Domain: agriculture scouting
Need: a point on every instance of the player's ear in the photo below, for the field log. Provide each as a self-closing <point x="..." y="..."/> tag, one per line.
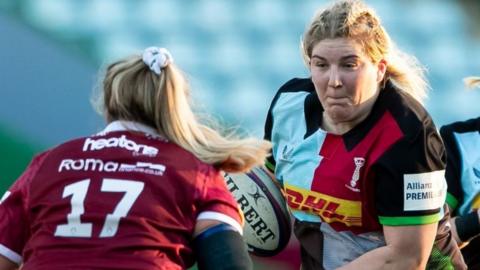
<point x="381" y="70"/>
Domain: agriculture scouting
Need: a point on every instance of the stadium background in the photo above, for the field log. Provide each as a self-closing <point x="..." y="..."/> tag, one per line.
<point x="236" y="55"/>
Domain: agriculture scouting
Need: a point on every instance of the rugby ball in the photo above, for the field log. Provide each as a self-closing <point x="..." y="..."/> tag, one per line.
<point x="267" y="220"/>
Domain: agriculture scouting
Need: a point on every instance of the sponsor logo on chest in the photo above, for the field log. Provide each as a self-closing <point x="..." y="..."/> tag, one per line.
<point x="359" y="162"/>
<point x="476" y="172"/>
<point x="329" y="208"/>
<point x="286" y="153"/>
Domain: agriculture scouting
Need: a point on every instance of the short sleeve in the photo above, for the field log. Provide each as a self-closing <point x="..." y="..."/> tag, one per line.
<point x="410" y="187"/>
<point x="14" y="226"/>
<point x="216" y="202"/>
<point x="270" y="162"/>
<point x="293" y="86"/>
<point x="453" y="170"/>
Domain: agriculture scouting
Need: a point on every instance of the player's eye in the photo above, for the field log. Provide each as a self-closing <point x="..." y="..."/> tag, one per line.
<point x="320" y="64"/>
<point x="350" y="64"/>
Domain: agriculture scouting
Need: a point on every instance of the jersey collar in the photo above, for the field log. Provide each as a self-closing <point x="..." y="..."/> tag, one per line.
<point x="121" y="125"/>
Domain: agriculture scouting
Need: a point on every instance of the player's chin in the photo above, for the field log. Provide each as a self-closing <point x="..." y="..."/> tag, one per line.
<point x="339" y="114"/>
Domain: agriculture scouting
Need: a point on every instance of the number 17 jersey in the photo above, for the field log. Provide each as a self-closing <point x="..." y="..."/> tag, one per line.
<point x="122" y="199"/>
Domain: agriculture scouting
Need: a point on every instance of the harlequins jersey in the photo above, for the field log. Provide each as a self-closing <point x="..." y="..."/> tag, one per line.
<point x="123" y="199"/>
<point x="388" y="170"/>
<point x="462" y="141"/>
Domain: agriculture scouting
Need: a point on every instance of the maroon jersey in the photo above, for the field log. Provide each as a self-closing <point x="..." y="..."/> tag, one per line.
<point x="118" y="200"/>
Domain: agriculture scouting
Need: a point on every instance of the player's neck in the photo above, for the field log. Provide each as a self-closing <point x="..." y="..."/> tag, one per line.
<point x="337" y="128"/>
<point x="340" y="127"/>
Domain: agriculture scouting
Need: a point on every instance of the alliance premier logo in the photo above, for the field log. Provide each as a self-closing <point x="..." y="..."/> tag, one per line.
<point x="424" y="191"/>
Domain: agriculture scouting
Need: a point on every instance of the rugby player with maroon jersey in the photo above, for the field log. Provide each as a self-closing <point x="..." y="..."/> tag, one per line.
<point x="145" y="193"/>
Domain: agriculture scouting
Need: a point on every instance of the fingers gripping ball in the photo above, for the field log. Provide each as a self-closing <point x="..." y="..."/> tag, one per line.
<point x="267" y="220"/>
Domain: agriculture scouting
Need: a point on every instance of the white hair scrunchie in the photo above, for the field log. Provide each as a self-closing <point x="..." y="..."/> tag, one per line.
<point x="157" y="58"/>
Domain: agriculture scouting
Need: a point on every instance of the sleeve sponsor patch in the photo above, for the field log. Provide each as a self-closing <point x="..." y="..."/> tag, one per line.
<point x="424" y="191"/>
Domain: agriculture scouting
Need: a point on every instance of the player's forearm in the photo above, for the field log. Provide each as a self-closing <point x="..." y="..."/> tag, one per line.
<point x="387" y="257"/>
<point x="6" y="264"/>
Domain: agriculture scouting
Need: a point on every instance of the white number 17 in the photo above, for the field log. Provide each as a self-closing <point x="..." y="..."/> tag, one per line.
<point x="78" y="191"/>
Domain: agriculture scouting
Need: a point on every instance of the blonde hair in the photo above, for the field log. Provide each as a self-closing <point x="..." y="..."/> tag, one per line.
<point x="354" y="20"/>
<point x="132" y="92"/>
<point x="472" y="82"/>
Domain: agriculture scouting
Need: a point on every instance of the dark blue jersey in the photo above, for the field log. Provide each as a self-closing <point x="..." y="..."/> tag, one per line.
<point x="462" y="141"/>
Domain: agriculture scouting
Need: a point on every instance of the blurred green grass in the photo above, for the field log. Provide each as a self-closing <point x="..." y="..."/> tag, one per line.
<point x="15" y="154"/>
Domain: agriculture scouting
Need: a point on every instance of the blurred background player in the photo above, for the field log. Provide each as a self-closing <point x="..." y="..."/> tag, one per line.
<point x="360" y="160"/>
<point x="462" y="142"/>
<point x="145" y="193"/>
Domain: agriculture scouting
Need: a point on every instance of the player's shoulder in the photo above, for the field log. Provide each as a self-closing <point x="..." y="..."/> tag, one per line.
<point x="406" y="119"/>
<point x="293" y="94"/>
<point x="39" y="159"/>
<point x="297" y="85"/>
<point x="36" y="163"/>
<point x="470" y="125"/>
<point x="129" y="144"/>
<point x="409" y="114"/>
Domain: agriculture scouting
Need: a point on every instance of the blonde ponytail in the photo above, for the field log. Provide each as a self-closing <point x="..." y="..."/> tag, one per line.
<point x="472" y="82"/>
<point x="132" y="92"/>
<point x="406" y="73"/>
<point x="181" y="125"/>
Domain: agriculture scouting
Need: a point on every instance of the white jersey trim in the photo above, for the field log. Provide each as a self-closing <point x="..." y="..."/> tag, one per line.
<point x="221" y="217"/>
<point x="121" y="125"/>
<point x="5" y="196"/>
<point x="10" y="254"/>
